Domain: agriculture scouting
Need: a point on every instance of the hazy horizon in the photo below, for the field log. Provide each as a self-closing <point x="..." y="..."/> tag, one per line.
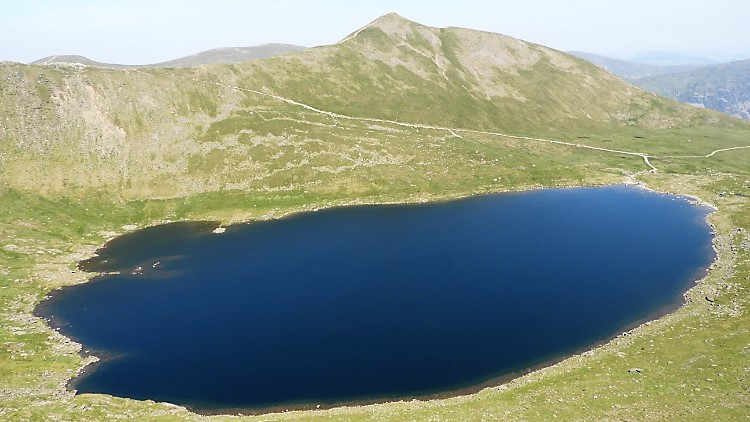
<point x="145" y="32"/>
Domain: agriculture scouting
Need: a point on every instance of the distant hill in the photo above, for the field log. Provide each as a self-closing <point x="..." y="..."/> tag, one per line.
<point x="724" y="87"/>
<point x="632" y="70"/>
<point x="231" y="55"/>
<point x="75" y="59"/>
<point x="227" y="55"/>
<point x="668" y="58"/>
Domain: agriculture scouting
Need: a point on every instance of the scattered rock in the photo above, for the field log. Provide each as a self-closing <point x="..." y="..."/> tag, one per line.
<point x="635" y="370"/>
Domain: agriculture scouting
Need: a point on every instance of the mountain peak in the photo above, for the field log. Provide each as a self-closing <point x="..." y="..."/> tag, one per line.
<point x="390" y="18"/>
<point x="391" y="23"/>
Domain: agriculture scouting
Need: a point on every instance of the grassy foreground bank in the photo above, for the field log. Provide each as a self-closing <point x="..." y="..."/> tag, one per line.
<point x="691" y="364"/>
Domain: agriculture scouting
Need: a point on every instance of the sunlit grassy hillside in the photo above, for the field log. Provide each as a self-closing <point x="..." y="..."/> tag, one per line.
<point x="396" y="112"/>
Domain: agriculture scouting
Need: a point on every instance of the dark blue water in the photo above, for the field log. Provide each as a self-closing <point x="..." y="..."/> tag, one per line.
<point x="377" y="302"/>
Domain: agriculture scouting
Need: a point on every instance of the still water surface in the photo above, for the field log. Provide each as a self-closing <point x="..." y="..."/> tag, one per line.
<point x="376" y="302"/>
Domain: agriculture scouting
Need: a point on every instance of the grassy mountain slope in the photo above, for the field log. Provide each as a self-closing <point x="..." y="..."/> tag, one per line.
<point x="724" y="87"/>
<point x="627" y="69"/>
<point x="226" y="55"/>
<point x="469" y="77"/>
<point x="172" y="132"/>
<point x="395" y="112"/>
<point x="231" y="55"/>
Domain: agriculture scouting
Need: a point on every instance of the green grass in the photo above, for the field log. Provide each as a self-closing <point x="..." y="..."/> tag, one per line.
<point x="195" y="150"/>
<point x="33" y="369"/>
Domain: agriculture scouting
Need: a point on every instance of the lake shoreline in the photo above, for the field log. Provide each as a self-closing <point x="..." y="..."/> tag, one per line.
<point x="502" y="382"/>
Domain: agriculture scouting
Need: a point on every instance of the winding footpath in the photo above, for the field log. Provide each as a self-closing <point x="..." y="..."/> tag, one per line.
<point x="709" y="155"/>
<point x="455" y="131"/>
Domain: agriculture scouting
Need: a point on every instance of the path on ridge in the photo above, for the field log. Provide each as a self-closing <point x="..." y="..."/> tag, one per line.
<point x="454" y="131"/>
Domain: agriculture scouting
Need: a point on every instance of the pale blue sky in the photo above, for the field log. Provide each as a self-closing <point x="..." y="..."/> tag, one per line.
<point x="149" y="31"/>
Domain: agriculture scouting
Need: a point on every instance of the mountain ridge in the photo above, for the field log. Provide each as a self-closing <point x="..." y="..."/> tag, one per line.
<point x="222" y="55"/>
<point x="723" y="87"/>
<point x="630" y="70"/>
<point x="396" y="112"/>
<point x="484" y="64"/>
<point x="391" y="69"/>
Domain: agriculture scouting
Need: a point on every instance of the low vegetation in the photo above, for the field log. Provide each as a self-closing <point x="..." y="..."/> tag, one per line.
<point x="215" y="56"/>
<point x="396" y="113"/>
